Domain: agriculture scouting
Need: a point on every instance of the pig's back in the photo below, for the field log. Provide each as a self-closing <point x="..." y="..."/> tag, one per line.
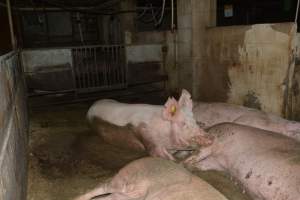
<point x="168" y="180"/>
<point x="122" y="114"/>
<point x="259" y="157"/>
<point x="192" y="189"/>
<point x="214" y="113"/>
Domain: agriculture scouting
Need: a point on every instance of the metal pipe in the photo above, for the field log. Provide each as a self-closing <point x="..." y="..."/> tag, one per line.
<point x="162" y="13"/>
<point x="104" y="96"/>
<point x="11" y="26"/>
<point x="96" y="66"/>
<point x="105" y="69"/>
<point x="172" y="15"/>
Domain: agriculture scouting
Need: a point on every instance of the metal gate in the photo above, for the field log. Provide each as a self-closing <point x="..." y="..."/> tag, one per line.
<point x="97" y="68"/>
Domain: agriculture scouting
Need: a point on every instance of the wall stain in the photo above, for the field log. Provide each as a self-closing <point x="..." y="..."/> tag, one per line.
<point x="251" y="100"/>
<point x="246" y="65"/>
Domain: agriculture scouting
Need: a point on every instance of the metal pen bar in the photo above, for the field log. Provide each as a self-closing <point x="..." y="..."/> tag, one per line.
<point x="118" y="65"/>
<point x="96" y="65"/>
<point x="113" y="65"/>
<point x="86" y="77"/>
<point x="90" y="73"/>
<point x="108" y="54"/>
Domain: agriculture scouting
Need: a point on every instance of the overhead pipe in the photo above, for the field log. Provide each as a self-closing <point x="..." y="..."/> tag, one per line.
<point x="172" y="16"/>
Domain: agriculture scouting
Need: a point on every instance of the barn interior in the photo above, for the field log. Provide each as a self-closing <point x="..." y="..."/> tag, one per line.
<point x="59" y="56"/>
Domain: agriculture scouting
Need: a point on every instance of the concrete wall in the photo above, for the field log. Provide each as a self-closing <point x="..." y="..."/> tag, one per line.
<point x="33" y="59"/>
<point x="144" y="53"/>
<point x="184" y="44"/>
<point x="296" y="83"/>
<point x="168" y="47"/>
<point x="249" y="65"/>
<point x="13" y="130"/>
<point x="193" y="19"/>
<point x="165" y="39"/>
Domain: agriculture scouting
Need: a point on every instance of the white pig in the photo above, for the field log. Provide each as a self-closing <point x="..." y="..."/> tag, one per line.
<point x="209" y="114"/>
<point x="157" y="128"/>
<point x="154" y="179"/>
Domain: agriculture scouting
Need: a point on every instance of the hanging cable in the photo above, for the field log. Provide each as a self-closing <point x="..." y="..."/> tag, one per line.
<point x="148" y="21"/>
<point x="143" y="13"/>
<point x="297" y="11"/>
<point x="153" y="15"/>
<point x="80" y="28"/>
<point x="162" y="13"/>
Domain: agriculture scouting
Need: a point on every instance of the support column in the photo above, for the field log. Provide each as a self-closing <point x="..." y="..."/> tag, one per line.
<point x="203" y="16"/>
<point x="184" y="44"/>
<point x="194" y="17"/>
<point x="127" y="20"/>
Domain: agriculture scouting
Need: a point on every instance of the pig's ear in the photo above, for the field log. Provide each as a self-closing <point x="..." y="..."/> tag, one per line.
<point x="170" y="109"/>
<point x="185" y="99"/>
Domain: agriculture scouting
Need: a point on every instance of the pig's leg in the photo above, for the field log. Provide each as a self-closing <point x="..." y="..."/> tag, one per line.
<point x="201" y="138"/>
<point x="152" y="146"/>
<point x="203" y="154"/>
<point x="160" y="152"/>
<point x="209" y="163"/>
<point x="176" y="136"/>
<point x="203" y="161"/>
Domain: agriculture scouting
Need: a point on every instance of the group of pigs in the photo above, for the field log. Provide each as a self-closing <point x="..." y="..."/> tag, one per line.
<point x="259" y="150"/>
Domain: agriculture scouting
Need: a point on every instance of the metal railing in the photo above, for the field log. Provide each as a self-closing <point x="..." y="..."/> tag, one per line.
<point x="99" y="68"/>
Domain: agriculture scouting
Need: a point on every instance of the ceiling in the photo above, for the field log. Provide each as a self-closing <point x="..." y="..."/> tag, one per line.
<point x="80" y="3"/>
<point x="64" y="3"/>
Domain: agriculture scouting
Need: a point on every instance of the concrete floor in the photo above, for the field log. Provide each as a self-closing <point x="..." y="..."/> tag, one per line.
<point x="66" y="158"/>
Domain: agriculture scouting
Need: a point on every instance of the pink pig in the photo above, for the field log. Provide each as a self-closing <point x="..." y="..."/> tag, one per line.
<point x="154" y="179"/>
<point x="209" y="114"/>
<point x="158" y="129"/>
<point x="265" y="163"/>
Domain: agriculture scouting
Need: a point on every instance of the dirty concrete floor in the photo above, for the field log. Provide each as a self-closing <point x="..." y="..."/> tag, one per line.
<point x="67" y="159"/>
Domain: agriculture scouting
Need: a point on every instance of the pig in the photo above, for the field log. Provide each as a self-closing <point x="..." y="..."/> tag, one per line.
<point x="265" y="163"/>
<point x="156" y="129"/>
<point x="154" y="179"/>
<point x="209" y="114"/>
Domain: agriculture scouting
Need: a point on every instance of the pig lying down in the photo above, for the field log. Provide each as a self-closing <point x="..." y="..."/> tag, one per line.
<point x="158" y="129"/>
<point x="154" y="179"/>
<point x="209" y="114"/>
<point x="267" y="164"/>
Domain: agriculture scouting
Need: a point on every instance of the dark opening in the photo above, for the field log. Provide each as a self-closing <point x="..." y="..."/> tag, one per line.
<point x="5" y="41"/>
<point x="244" y="12"/>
